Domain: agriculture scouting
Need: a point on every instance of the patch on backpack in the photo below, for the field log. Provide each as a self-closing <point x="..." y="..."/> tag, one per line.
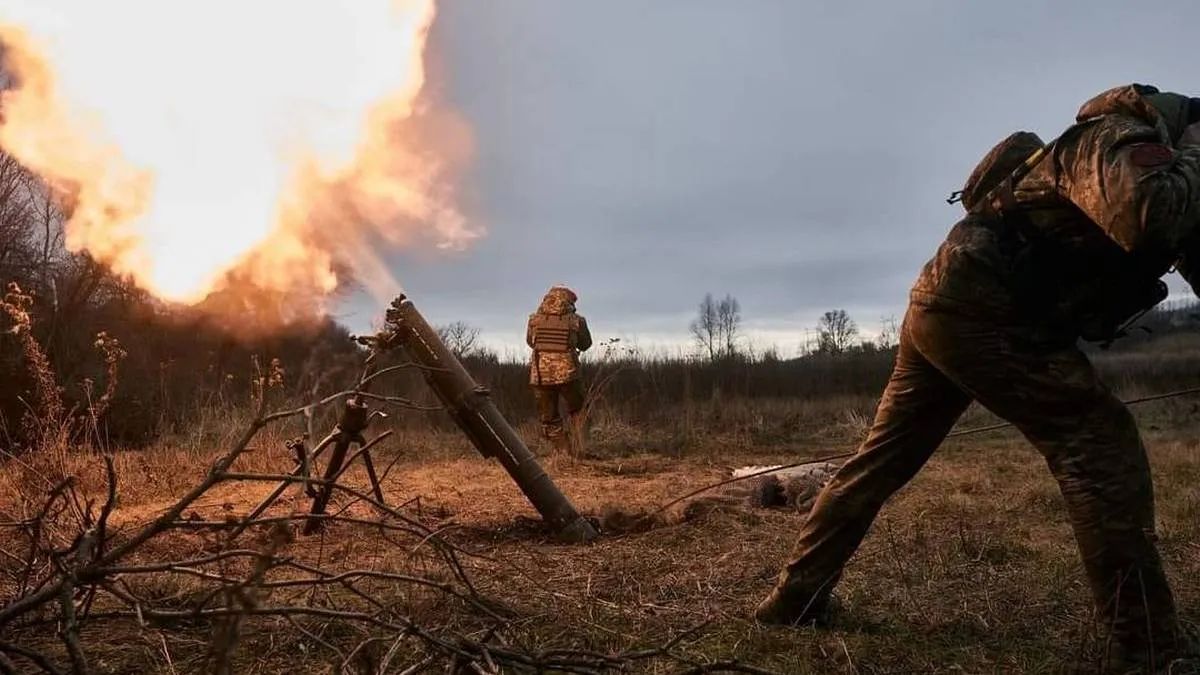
<point x="1150" y="154"/>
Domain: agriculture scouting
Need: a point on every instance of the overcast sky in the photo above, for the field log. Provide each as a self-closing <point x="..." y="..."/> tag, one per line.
<point x="793" y="154"/>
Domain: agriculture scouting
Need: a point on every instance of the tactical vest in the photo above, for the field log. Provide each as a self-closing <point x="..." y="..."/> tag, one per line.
<point x="552" y="333"/>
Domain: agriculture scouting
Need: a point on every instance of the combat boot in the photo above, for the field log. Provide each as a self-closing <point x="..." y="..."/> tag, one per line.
<point x="557" y="438"/>
<point x="790" y="607"/>
<point x="550" y="439"/>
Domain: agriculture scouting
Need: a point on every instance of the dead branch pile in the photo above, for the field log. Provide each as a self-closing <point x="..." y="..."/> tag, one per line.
<point x="388" y="594"/>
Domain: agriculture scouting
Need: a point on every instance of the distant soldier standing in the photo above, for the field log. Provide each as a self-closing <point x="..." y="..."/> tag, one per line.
<point x="1059" y="242"/>
<point x="557" y="334"/>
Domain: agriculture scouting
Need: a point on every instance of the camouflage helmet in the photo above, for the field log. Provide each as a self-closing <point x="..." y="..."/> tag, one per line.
<point x="558" y="300"/>
<point x="563" y="289"/>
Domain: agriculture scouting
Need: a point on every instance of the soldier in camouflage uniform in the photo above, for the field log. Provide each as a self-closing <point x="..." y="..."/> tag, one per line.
<point x="1066" y="250"/>
<point x="557" y="334"/>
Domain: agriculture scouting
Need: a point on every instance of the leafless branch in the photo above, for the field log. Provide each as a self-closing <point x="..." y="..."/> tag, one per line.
<point x="80" y="574"/>
<point x="34" y="657"/>
<point x="70" y="630"/>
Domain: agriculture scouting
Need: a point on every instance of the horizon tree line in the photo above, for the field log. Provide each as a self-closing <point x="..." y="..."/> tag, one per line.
<point x="717" y="334"/>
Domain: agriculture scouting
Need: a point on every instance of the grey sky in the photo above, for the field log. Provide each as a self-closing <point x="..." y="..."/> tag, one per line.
<point x="793" y="154"/>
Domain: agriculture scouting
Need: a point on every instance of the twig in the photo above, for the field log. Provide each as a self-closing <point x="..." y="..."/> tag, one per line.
<point x="166" y="652"/>
<point x="166" y="566"/>
<point x="407" y="365"/>
<point x="394" y="400"/>
<point x="70" y="630"/>
<point x="302" y="470"/>
<point x="34" y="657"/>
<point x="849" y="659"/>
<point x="273" y="520"/>
<point x="110" y="500"/>
<point x="414" y="668"/>
<point x="154" y="528"/>
<point x="317" y="639"/>
<point x="726" y="667"/>
<point x="362" y="496"/>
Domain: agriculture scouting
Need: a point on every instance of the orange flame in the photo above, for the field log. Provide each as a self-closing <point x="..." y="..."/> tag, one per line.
<point x="275" y="141"/>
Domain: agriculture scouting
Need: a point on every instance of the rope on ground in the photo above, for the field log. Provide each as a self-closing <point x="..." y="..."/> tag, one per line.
<point x="1132" y="401"/>
<point x="844" y="455"/>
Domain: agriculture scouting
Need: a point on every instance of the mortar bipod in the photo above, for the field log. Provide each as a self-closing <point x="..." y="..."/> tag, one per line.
<point x="356" y="417"/>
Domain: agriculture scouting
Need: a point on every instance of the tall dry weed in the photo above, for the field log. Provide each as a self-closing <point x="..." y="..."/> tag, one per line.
<point x="45" y="412"/>
<point x="47" y="424"/>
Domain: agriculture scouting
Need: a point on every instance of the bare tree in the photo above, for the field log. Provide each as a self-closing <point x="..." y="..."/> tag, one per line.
<point x="461" y="337"/>
<point x="18" y="215"/>
<point x="717" y="327"/>
<point x="889" y="333"/>
<point x="729" y="324"/>
<point x="704" y="328"/>
<point x="836" y="332"/>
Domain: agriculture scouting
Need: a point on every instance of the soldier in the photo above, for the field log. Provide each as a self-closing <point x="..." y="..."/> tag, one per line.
<point x="1059" y="242"/>
<point x="557" y="334"/>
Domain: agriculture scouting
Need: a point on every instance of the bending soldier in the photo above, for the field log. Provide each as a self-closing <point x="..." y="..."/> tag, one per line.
<point x="557" y="334"/>
<point x="1059" y="242"/>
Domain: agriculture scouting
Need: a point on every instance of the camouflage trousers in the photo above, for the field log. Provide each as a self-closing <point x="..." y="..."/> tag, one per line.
<point x="549" y="410"/>
<point x="1052" y="395"/>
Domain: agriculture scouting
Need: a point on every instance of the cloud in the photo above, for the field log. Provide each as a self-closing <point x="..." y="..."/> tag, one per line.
<point x="794" y="156"/>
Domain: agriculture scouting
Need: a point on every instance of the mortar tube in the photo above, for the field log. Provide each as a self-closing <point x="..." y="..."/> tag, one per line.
<point x="473" y="410"/>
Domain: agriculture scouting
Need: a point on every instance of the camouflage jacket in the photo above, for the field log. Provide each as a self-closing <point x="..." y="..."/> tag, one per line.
<point x="1113" y="193"/>
<point x="557" y="367"/>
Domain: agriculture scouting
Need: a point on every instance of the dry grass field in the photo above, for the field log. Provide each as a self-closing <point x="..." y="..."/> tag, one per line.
<point x="970" y="569"/>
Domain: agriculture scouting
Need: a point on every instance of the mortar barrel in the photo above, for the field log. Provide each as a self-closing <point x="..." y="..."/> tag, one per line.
<point x="474" y="411"/>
